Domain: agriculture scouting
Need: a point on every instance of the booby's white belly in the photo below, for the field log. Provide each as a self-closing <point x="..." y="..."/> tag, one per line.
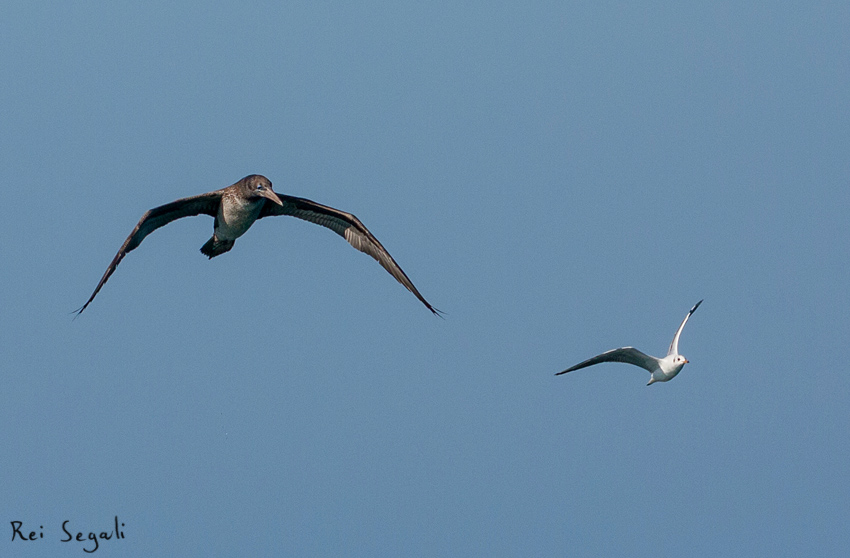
<point x="236" y="217"/>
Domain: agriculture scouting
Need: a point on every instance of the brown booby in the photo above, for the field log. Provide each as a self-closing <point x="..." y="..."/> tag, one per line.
<point x="235" y="209"/>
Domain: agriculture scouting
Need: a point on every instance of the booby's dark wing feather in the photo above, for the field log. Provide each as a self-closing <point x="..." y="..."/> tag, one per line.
<point x="347" y="226"/>
<point x="155" y="218"/>
<point x="629" y="355"/>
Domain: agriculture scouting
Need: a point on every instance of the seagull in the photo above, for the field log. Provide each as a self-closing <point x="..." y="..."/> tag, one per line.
<point x="235" y="209"/>
<point x="660" y="369"/>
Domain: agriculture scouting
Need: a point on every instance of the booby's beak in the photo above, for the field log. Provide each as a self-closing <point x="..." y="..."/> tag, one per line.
<point x="267" y="193"/>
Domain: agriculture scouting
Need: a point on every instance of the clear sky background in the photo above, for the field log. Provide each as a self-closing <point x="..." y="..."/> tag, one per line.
<point x="561" y="178"/>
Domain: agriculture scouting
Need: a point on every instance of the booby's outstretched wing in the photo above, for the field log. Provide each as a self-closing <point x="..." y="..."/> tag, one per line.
<point x="674" y="345"/>
<point x="155" y="218"/>
<point x="629" y="355"/>
<point x="347" y="226"/>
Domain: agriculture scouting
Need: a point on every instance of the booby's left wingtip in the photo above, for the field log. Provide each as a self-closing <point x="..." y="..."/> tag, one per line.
<point x="437" y="312"/>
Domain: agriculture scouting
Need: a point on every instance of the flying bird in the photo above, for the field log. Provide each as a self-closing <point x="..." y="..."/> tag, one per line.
<point x="235" y="209"/>
<point x="660" y="369"/>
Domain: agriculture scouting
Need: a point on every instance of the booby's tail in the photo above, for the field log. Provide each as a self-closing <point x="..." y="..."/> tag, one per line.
<point x="215" y="247"/>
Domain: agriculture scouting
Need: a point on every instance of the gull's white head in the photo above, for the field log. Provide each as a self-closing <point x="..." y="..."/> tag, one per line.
<point x="678" y="362"/>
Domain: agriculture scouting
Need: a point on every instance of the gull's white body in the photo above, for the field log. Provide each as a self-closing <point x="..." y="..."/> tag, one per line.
<point x="660" y="369"/>
<point x="666" y="368"/>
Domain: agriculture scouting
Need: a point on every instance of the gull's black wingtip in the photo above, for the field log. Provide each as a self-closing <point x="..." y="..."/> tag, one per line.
<point x="696" y="306"/>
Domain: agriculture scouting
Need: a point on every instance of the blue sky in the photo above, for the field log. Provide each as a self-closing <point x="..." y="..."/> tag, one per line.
<point x="559" y="178"/>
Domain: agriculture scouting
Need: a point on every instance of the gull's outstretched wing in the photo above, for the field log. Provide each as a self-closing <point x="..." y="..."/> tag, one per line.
<point x="629" y="355"/>
<point x="155" y="218"/>
<point x="347" y="226"/>
<point x="674" y="345"/>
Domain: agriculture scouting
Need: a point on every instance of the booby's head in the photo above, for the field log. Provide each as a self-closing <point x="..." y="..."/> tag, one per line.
<point x="258" y="186"/>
